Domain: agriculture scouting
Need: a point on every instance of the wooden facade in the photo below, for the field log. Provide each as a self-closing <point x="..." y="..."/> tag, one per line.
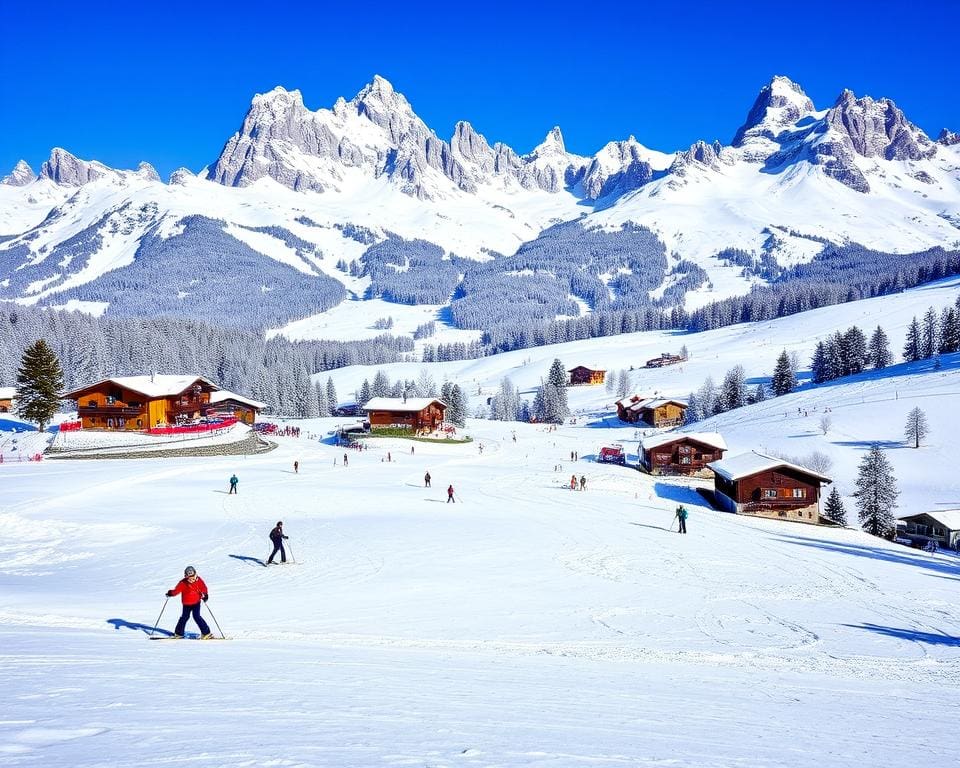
<point x="583" y="375"/>
<point x="244" y="410"/>
<point x="126" y="403"/>
<point x="681" y="455"/>
<point x="419" y="415"/>
<point x="654" y="411"/>
<point x="941" y="526"/>
<point x="768" y="487"/>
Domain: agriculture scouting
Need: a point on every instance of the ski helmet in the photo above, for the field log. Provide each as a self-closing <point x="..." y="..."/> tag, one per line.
<point x="279" y="523"/>
<point x="189" y="571"/>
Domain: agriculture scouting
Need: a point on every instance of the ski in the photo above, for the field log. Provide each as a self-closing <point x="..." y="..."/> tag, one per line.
<point x="168" y="637"/>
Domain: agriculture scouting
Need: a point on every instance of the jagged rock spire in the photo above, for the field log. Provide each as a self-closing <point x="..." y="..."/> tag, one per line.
<point x="21" y="175"/>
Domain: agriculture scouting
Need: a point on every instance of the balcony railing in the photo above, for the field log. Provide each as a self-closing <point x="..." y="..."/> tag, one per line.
<point x="123" y="411"/>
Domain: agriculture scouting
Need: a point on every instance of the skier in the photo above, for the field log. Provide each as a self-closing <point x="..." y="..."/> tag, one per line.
<point x="344" y="459"/>
<point x="277" y="536"/>
<point x="450" y="495"/>
<point x="233" y="484"/>
<point x="682" y="518"/>
<point x="192" y="590"/>
<point x="426" y="480"/>
<point x="296" y="467"/>
<point x="573" y="482"/>
<point x="583" y="482"/>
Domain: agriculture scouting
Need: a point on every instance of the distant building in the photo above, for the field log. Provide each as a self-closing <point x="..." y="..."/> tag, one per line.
<point x="941" y="526"/>
<point x="243" y="409"/>
<point x="142" y="402"/>
<point x="583" y="375"/>
<point x="418" y="414"/>
<point x="681" y="454"/>
<point x="7" y="396"/>
<point x="756" y="484"/>
<point x="654" y="411"/>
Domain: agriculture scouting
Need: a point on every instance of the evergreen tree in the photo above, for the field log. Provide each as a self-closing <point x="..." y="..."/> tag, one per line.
<point x="323" y="407"/>
<point x="623" y="383"/>
<point x="381" y="385"/>
<point x="876" y="494"/>
<point x="818" y="365"/>
<point x="784" y="378"/>
<point x="363" y="396"/>
<point x="707" y="398"/>
<point x="426" y="386"/>
<point x="917" y="428"/>
<point x="853" y="348"/>
<point x="949" y="330"/>
<point x="912" y="348"/>
<point x="457" y="413"/>
<point x="930" y="336"/>
<point x="610" y="382"/>
<point x="834" y="509"/>
<point x="878" y="350"/>
<point x="733" y="390"/>
<point x="331" y="395"/>
<point x="39" y="384"/>
<point x="760" y="393"/>
<point x="557" y="378"/>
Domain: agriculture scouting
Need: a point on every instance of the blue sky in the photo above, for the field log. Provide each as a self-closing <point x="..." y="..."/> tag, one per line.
<point x="170" y="82"/>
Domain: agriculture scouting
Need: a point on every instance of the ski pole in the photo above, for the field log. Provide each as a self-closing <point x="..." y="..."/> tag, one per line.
<point x="159" y="617"/>
<point x="293" y="557"/>
<point x="671" y="523"/>
<point x="223" y="636"/>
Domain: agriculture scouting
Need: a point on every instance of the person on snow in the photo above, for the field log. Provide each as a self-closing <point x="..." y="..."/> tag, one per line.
<point x="344" y="459"/>
<point x="583" y="482"/>
<point x="450" y="494"/>
<point x="682" y="518"/>
<point x="573" y="482"/>
<point x="426" y="480"/>
<point x="296" y="467"/>
<point x="277" y="536"/>
<point x="192" y="591"/>
<point x="233" y="484"/>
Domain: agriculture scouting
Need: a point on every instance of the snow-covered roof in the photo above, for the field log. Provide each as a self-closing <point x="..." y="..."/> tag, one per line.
<point x="224" y="394"/>
<point x="948" y="518"/>
<point x="714" y="439"/>
<point x="412" y="404"/>
<point x="650" y="403"/>
<point x="625" y="402"/>
<point x="156" y="385"/>
<point x="746" y="464"/>
<point x="8" y="393"/>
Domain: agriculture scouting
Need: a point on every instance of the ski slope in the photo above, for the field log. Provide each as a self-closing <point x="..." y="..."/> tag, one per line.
<point x="524" y="625"/>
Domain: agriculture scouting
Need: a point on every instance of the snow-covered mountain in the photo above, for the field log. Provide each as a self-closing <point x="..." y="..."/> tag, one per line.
<point x="296" y="194"/>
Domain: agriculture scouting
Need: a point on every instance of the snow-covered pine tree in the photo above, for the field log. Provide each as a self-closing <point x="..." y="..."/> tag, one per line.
<point x="834" y="509"/>
<point x="363" y="394"/>
<point x="930" y="334"/>
<point x="949" y="330"/>
<point x="878" y="350"/>
<point x="623" y="383"/>
<point x="818" y="365"/>
<point x="426" y="385"/>
<point x="917" y="427"/>
<point x="557" y="378"/>
<point x="913" y="347"/>
<point x="610" y="383"/>
<point x="760" y="393"/>
<point x="784" y="378"/>
<point x="707" y="398"/>
<point x="458" y="405"/>
<point x="381" y="385"/>
<point x="39" y="384"/>
<point x="853" y="351"/>
<point x="331" y="394"/>
<point x="733" y="390"/>
<point x="323" y="407"/>
<point x="876" y="494"/>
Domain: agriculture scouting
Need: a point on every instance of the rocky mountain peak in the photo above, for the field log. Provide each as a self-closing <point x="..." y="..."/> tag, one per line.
<point x="65" y="169"/>
<point x="946" y="138"/>
<point x="877" y="128"/>
<point x="147" y="171"/>
<point x="780" y="103"/>
<point x="551" y="145"/>
<point x="21" y="175"/>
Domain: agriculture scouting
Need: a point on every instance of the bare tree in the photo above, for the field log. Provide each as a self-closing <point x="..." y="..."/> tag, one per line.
<point x="917" y="427"/>
<point x="825" y="423"/>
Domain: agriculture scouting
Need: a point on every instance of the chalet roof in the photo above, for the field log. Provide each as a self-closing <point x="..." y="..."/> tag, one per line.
<point x="746" y="464"/>
<point x="223" y="394"/>
<point x="585" y="368"/>
<point x="411" y="405"/>
<point x="713" y="439"/>
<point x="157" y="385"/>
<point x="626" y="402"/>
<point x="948" y="518"/>
<point x="650" y="403"/>
<point x="8" y="393"/>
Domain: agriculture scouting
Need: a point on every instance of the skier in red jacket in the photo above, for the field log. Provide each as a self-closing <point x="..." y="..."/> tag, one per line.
<point x="192" y="591"/>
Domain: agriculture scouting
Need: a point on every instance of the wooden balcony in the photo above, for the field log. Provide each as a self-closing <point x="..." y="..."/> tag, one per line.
<point x="112" y="411"/>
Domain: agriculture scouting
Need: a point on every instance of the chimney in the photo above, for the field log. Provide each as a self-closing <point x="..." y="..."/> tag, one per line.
<point x="152" y="377"/>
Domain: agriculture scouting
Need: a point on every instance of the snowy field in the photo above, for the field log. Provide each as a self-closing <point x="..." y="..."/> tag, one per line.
<point x="524" y="625"/>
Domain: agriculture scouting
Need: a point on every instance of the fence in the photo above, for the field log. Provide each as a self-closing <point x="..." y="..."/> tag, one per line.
<point x="192" y="428"/>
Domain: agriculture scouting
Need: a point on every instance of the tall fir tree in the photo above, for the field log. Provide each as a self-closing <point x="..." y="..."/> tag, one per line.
<point x="331" y="395"/>
<point x="557" y="377"/>
<point x="878" y="350"/>
<point x="917" y="427"/>
<point x="913" y="346"/>
<point x="949" y="330"/>
<point x="834" y="509"/>
<point x="876" y="493"/>
<point x="784" y="378"/>
<point x="39" y="384"/>
<point x="930" y="334"/>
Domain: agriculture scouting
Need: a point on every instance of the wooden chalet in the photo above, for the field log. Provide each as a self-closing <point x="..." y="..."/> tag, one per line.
<point x="418" y="414"/>
<point x="941" y="526"/>
<point x="230" y="404"/>
<point x="655" y="411"/>
<point x="681" y="454"/>
<point x="7" y="396"/>
<point x="583" y="375"/>
<point x="765" y="486"/>
<point x="142" y="402"/>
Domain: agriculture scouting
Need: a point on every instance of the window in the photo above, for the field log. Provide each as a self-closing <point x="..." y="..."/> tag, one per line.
<point x="684" y="459"/>
<point x="769" y="493"/>
<point x="799" y="493"/>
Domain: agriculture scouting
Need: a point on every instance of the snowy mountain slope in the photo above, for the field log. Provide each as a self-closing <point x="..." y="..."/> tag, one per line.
<point x="793" y="177"/>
